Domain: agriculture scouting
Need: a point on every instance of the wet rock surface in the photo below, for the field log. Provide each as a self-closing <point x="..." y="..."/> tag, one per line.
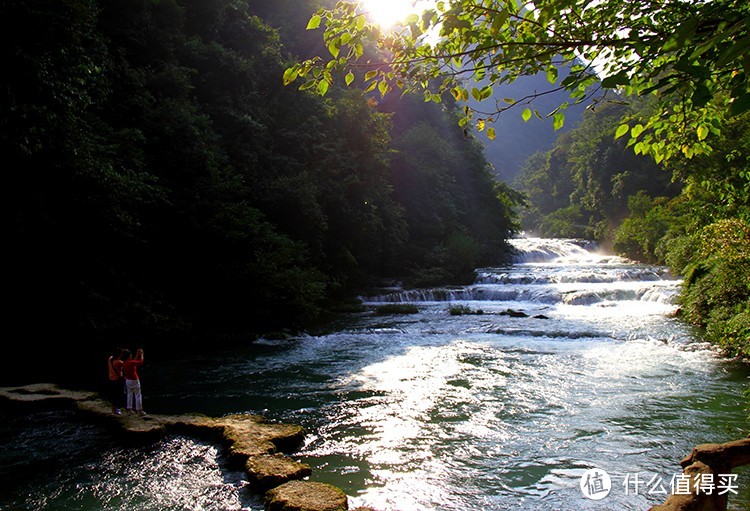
<point x="708" y="462"/>
<point x="306" y="496"/>
<point x="250" y="441"/>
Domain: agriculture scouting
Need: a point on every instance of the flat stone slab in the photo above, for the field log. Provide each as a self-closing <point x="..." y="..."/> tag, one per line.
<point x="306" y="496"/>
<point x="271" y="470"/>
<point x="244" y="434"/>
<point x="251" y="435"/>
<point x="37" y="392"/>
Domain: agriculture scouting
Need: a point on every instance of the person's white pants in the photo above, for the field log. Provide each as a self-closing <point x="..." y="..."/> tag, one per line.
<point x="133" y="390"/>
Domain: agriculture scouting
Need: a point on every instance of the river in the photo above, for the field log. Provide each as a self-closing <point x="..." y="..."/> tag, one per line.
<point x="575" y="362"/>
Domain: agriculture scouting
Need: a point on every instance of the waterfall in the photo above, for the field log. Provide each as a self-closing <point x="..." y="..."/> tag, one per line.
<point x="552" y="271"/>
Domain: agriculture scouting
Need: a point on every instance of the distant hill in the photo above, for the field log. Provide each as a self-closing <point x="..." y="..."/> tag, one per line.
<point x="516" y="140"/>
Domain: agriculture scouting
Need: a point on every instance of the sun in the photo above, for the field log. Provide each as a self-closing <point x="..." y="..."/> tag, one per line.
<point x="388" y="13"/>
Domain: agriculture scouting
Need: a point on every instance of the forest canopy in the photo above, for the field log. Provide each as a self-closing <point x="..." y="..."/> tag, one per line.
<point x="164" y="184"/>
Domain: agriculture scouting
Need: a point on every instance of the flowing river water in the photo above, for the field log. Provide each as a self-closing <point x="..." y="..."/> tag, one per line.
<point x="575" y="362"/>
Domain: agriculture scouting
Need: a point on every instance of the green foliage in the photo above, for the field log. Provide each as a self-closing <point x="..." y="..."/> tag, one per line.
<point x="581" y="187"/>
<point x="692" y="57"/>
<point x="703" y="235"/>
<point x="578" y="189"/>
<point x="640" y="233"/>
<point x="568" y="222"/>
<point x="717" y="294"/>
<point x="458" y="217"/>
<point x="166" y="184"/>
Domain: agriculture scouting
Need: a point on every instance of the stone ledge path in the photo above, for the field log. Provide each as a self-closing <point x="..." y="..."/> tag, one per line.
<point x="250" y="440"/>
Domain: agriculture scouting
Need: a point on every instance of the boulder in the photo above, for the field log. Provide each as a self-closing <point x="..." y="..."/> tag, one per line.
<point x="270" y="470"/>
<point x="306" y="496"/>
<point x="707" y="460"/>
<point x="514" y="313"/>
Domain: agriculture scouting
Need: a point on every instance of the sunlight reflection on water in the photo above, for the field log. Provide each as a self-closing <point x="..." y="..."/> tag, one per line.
<point x="434" y="411"/>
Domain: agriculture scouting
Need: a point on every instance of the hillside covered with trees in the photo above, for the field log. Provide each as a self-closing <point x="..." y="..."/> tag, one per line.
<point x="164" y="184"/>
<point x="691" y="214"/>
<point x="688" y="61"/>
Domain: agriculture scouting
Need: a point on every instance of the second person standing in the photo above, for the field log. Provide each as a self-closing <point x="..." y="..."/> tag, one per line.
<point x="134" y="399"/>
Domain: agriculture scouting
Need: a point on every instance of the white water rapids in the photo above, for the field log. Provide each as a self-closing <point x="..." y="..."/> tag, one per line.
<point x="436" y="411"/>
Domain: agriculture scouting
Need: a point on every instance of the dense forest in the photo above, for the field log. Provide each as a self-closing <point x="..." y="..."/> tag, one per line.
<point x="164" y="186"/>
<point x="692" y="214"/>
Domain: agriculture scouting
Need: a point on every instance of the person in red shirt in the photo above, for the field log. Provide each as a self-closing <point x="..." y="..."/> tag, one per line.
<point x="115" y="381"/>
<point x="132" y="382"/>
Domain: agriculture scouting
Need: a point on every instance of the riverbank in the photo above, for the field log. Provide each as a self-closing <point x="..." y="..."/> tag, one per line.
<point x="251" y="442"/>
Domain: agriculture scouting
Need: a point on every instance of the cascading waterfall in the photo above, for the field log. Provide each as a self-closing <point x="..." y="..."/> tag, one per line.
<point x="552" y="271"/>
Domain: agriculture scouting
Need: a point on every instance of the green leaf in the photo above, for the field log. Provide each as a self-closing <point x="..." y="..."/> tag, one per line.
<point x="383" y="87"/>
<point x="361" y="21"/>
<point x="684" y="33"/>
<point x="526" y="115"/>
<point x="322" y="87"/>
<point x="491" y="133"/>
<point x="290" y="75"/>
<point x="349" y="78"/>
<point x="636" y="130"/>
<point x="314" y="22"/>
<point x="370" y="75"/>
<point x="558" y="121"/>
<point x="702" y="132"/>
<point x="569" y="80"/>
<point x="307" y="85"/>
<point x="734" y="51"/>
<point x="624" y="128"/>
<point x="701" y="96"/>
<point x="476" y="94"/>
<point x="552" y="75"/>
<point x="334" y="47"/>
